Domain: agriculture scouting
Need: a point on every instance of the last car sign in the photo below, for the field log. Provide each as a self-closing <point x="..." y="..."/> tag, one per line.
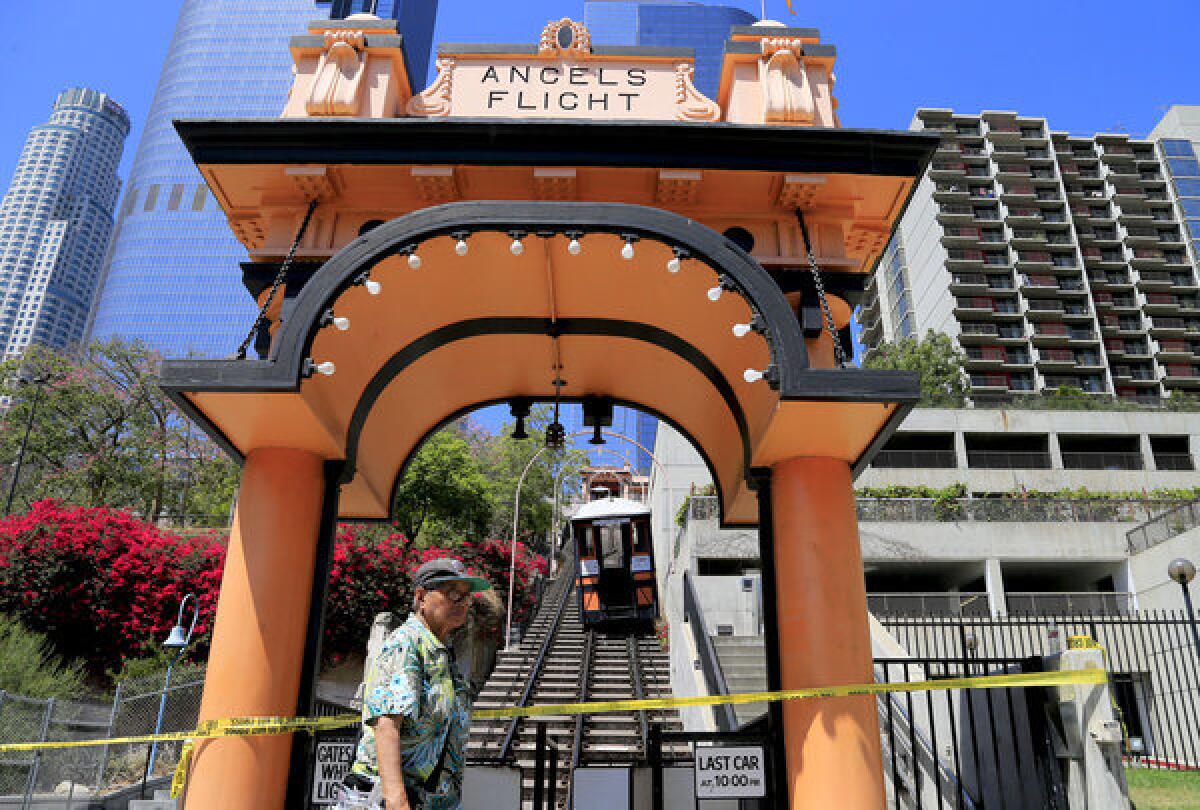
<point x="730" y="772"/>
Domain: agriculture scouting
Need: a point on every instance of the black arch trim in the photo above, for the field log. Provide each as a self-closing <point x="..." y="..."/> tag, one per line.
<point x="478" y="327"/>
<point x="786" y="341"/>
<point x="628" y="403"/>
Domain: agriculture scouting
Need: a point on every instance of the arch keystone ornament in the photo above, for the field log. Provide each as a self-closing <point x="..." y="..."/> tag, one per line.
<point x="491" y="240"/>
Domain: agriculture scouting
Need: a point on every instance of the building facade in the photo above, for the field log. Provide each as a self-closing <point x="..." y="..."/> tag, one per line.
<point x="56" y="221"/>
<point x="669" y="23"/>
<point x="172" y="276"/>
<point x="1178" y="139"/>
<point x="1056" y="261"/>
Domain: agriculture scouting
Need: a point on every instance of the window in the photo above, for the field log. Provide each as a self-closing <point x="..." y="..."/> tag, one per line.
<point x="151" y="198"/>
<point x="1177" y="148"/>
<point x="200" y="198"/>
<point x="1191" y="208"/>
<point x="1184" y="168"/>
<point x="611" y="553"/>
<point x="1187" y="188"/>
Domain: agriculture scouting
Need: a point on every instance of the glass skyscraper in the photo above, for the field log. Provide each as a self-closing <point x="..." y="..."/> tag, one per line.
<point x="173" y="278"/>
<point x="56" y="221"/>
<point x="669" y="23"/>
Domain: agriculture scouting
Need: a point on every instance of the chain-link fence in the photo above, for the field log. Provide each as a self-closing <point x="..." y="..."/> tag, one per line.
<point x="69" y="774"/>
<point x="135" y="711"/>
<point x="71" y="777"/>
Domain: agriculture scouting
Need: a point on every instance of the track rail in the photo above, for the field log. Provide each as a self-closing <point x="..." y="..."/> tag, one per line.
<point x="536" y="672"/>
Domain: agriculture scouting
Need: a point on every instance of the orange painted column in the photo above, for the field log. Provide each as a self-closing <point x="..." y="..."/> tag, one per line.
<point x="258" y="638"/>
<point x="833" y="752"/>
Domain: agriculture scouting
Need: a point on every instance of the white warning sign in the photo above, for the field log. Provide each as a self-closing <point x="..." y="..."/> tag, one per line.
<point x="332" y="763"/>
<point x="730" y="772"/>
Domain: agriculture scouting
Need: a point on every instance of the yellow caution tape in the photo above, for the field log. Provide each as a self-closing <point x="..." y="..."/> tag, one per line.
<point x="1079" y="676"/>
<point x="254" y="726"/>
<point x="179" y="780"/>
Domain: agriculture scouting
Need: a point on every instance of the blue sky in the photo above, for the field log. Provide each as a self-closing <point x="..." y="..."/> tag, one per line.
<point x="1089" y="65"/>
<point x="1098" y="65"/>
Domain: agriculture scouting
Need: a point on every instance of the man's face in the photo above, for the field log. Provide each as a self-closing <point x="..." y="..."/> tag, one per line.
<point x="447" y="605"/>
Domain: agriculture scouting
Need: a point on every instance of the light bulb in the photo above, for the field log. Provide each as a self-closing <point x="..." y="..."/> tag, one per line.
<point x="715" y="293"/>
<point x="414" y="261"/>
<point x="574" y="248"/>
<point x="516" y="248"/>
<point x="373" y="287"/>
<point x="327" y="368"/>
<point x="460" y="247"/>
<point x="741" y="329"/>
<point x="627" y="251"/>
<point x="673" y="264"/>
<point x="342" y="324"/>
<point x="752" y="375"/>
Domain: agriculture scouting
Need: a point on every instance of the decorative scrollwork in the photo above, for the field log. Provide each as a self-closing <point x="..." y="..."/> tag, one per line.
<point x="434" y="100"/>
<point x="690" y="103"/>
<point x="565" y="36"/>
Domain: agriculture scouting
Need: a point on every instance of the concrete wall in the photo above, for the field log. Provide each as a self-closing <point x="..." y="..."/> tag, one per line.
<point x="1050" y="542"/>
<point x="928" y="279"/>
<point x="1049" y="423"/>
<point x="1148" y="573"/>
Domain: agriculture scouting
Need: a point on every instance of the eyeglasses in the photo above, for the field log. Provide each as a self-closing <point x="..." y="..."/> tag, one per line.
<point x="454" y="595"/>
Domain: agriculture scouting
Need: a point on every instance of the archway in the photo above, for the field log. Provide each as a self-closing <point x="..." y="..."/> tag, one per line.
<point x="566" y="261"/>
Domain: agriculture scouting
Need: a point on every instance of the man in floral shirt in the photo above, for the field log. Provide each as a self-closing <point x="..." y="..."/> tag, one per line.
<point x="416" y="704"/>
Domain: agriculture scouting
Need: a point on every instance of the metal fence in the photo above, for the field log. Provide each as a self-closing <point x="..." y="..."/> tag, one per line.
<point x="73" y="772"/>
<point x="72" y="777"/>
<point x="1153" y="662"/>
<point x="1164" y="527"/>
<point x="975" y="603"/>
<point x="1009" y="510"/>
<point x="996" y="510"/>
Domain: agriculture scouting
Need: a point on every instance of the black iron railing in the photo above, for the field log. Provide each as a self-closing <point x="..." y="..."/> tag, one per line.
<point x="710" y="665"/>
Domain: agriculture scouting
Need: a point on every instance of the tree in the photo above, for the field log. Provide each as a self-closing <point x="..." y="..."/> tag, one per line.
<point x="937" y="359"/>
<point x="104" y="434"/>
<point x="444" y="494"/>
<point x="29" y="667"/>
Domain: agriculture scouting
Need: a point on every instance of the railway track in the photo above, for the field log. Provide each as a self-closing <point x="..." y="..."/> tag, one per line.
<point x="559" y="661"/>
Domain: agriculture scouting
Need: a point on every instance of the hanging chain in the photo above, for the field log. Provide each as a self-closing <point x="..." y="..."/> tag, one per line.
<point x="280" y="277"/>
<point x="839" y="352"/>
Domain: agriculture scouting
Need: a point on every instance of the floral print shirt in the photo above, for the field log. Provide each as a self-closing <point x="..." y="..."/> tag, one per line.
<point x="415" y="679"/>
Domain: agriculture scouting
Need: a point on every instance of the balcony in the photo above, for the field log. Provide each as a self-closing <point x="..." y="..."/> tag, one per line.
<point x="1178" y="373"/>
<point x="955" y="213"/>
<point x="1102" y="461"/>
<point x="1056" y="358"/>
<point x="998" y="460"/>
<point x="1157" y="279"/>
<point x="1166" y="326"/>
<point x="1161" y="303"/>
<point x="958" y="234"/>
<point x="915" y="459"/>
<point x="989" y="383"/>
<point x="967" y="283"/>
<point x="1061" y="604"/>
<point x="963" y="257"/>
<point x="1173" y="350"/>
<point x="1045" y="310"/>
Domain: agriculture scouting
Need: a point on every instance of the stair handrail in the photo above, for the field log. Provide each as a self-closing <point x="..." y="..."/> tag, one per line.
<point x="710" y="665"/>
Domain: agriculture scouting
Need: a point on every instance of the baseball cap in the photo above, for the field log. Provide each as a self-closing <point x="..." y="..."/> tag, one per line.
<point x="447" y="569"/>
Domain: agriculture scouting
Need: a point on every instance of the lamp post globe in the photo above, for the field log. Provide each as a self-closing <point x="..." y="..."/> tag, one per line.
<point x="1181" y="570"/>
<point x="176" y="642"/>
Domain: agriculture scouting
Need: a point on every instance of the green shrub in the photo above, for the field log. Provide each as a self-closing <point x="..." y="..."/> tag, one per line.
<point x="29" y="667"/>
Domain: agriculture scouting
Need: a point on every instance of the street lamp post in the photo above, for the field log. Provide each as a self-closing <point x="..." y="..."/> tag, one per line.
<point x="37" y="383"/>
<point x="1183" y="571"/>
<point x="175" y="645"/>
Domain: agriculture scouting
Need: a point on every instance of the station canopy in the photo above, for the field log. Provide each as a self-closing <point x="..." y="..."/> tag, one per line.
<point x="460" y="257"/>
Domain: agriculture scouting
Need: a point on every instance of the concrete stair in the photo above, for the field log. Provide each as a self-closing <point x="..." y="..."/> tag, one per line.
<point x="744" y="664"/>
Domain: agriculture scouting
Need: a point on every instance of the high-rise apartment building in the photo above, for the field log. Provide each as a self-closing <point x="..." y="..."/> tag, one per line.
<point x="1056" y="261"/>
<point x="669" y="23"/>
<point x="173" y="277"/>
<point x="56" y="221"/>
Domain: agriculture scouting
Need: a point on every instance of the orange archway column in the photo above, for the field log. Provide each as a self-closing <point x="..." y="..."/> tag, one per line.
<point x="258" y="638"/>
<point x="832" y="744"/>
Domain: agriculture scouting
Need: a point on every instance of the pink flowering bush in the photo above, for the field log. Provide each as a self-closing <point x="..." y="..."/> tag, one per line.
<point x="102" y="585"/>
